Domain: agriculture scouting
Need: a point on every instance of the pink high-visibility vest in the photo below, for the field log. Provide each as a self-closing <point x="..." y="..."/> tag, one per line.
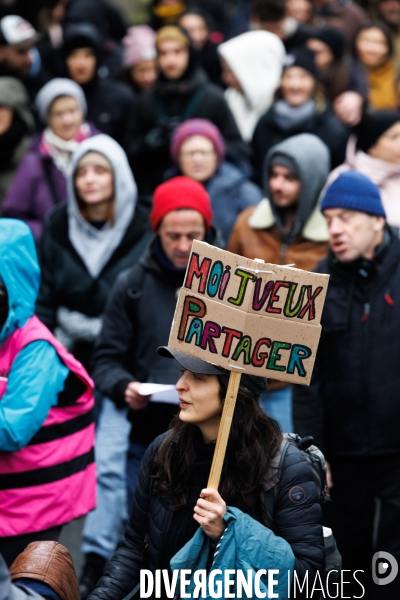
<point x="52" y="480"/>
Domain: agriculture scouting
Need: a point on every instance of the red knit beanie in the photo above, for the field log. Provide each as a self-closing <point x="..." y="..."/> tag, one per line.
<point x="180" y="192"/>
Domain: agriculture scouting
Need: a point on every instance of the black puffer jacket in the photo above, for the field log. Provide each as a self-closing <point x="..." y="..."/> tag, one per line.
<point x="352" y="405"/>
<point x="298" y="523"/>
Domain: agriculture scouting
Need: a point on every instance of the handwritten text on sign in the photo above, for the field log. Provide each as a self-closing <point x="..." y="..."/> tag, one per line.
<point x="256" y="317"/>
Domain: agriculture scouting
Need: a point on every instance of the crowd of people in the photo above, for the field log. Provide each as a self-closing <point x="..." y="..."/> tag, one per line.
<point x="270" y="128"/>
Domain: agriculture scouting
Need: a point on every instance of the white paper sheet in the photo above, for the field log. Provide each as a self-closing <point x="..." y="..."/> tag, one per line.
<point x="160" y="392"/>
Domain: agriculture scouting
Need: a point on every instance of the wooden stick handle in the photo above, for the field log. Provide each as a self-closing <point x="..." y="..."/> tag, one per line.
<point x="224" y="429"/>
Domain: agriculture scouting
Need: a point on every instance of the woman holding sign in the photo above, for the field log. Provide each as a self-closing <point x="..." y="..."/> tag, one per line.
<point x="172" y="500"/>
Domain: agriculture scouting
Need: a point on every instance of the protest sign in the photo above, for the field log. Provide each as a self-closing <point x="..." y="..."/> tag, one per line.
<point x="249" y="316"/>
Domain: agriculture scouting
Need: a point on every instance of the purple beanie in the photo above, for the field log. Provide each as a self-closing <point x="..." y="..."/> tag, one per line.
<point x="139" y="44"/>
<point x="197" y="127"/>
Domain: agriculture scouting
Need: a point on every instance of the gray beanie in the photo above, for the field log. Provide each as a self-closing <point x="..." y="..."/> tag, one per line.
<point x="54" y="89"/>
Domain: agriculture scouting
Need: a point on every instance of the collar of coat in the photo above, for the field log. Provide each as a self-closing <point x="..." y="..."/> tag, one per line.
<point x="314" y="229"/>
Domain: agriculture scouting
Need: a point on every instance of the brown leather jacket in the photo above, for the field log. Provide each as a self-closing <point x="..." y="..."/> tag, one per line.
<point x="50" y="563"/>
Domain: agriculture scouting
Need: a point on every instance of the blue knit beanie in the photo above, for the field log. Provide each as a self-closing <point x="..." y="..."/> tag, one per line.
<point x="354" y="191"/>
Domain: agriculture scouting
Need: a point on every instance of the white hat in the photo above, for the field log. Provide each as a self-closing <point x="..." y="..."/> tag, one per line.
<point x="15" y="30"/>
<point x="54" y="89"/>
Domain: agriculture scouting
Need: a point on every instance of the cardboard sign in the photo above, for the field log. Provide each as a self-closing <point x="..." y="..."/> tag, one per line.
<point x="249" y="316"/>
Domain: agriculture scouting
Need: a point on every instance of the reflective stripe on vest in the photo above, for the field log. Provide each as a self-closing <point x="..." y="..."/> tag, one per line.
<point x="50" y="481"/>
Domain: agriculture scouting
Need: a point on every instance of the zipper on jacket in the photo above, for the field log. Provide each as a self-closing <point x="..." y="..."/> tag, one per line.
<point x="364" y="399"/>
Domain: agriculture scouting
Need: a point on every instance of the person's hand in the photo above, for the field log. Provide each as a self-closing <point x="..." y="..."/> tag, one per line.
<point x="348" y="108"/>
<point x="209" y="512"/>
<point x="328" y="476"/>
<point x="132" y="397"/>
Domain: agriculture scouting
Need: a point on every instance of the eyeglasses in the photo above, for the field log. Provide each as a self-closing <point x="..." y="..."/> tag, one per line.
<point x="189" y="154"/>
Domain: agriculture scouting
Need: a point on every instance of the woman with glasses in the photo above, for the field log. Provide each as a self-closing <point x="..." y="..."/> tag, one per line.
<point x="198" y="150"/>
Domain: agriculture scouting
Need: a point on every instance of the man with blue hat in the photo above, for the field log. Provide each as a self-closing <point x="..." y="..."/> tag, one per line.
<point x="352" y="407"/>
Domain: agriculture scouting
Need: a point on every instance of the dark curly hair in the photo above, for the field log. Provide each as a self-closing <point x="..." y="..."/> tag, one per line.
<point x="254" y="440"/>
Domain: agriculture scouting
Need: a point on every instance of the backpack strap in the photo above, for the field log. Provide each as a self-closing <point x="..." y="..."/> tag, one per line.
<point x="270" y="491"/>
<point x="315" y="459"/>
<point x="134" y="293"/>
<point x="189" y="110"/>
<point x="193" y="104"/>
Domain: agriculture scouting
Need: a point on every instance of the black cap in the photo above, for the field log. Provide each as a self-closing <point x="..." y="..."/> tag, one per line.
<point x="284" y="160"/>
<point x="256" y="385"/>
<point x="191" y="363"/>
<point x="304" y="58"/>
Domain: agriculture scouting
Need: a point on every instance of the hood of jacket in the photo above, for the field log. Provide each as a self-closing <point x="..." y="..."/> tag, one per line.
<point x="191" y="78"/>
<point x="95" y="246"/>
<point x="312" y="159"/>
<point x="87" y="12"/>
<point x="20" y="273"/>
<point x="256" y="59"/>
<point x="81" y="35"/>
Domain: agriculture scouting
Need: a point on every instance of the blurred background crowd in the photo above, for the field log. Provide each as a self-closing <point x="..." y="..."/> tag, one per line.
<point x="260" y="71"/>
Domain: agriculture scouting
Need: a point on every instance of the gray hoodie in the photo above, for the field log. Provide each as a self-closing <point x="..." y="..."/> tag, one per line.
<point x="312" y="160"/>
<point x="95" y="246"/>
